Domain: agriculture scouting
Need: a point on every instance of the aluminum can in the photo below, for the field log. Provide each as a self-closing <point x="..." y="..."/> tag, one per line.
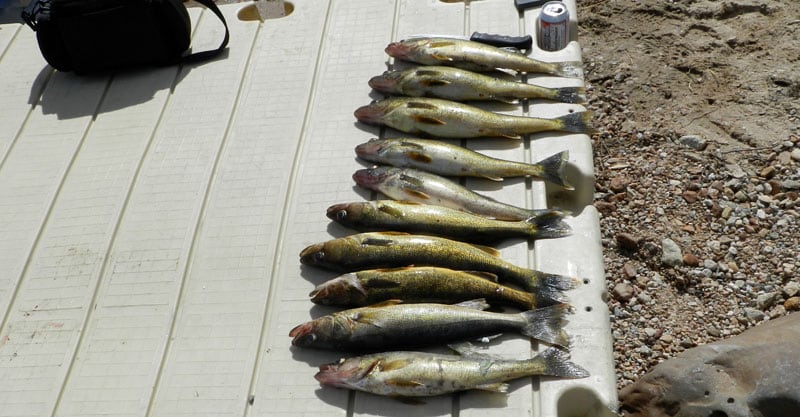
<point x="553" y="26"/>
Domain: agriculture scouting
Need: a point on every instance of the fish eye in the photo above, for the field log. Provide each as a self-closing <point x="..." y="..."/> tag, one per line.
<point x="386" y="73"/>
<point x="341" y="215"/>
<point x="373" y="101"/>
<point x="305" y="340"/>
<point x="319" y="256"/>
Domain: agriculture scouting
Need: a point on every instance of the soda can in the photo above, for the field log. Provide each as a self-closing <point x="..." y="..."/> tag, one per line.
<point x="553" y="26"/>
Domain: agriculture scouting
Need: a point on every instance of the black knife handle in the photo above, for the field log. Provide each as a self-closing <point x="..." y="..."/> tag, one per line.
<point x="502" y="41"/>
<point x="523" y="5"/>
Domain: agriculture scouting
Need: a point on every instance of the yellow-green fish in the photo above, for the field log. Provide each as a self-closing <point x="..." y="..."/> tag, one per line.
<point x="393" y="249"/>
<point x="449" y="119"/>
<point x="403" y="216"/>
<point x="443" y="158"/>
<point x="475" y="56"/>
<point x="425" y="284"/>
<point x="419" y="374"/>
<point x="462" y="85"/>
<point x="391" y="325"/>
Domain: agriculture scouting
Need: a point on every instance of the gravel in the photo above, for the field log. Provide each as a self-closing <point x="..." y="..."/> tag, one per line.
<point x="699" y="244"/>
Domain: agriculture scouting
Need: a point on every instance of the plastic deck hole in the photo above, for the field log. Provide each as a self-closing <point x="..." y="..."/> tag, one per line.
<point x="588" y="308"/>
<point x="272" y="10"/>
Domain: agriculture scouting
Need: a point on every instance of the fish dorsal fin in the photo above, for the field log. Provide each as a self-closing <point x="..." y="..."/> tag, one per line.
<point x="435" y="83"/>
<point x="392" y="211"/>
<point x="500" y="387"/>
<point x="477" y="304"/>
<point x="386" y="303"/>
<point x="420" y="105"/>
<point x="418" y="156"/>
<point x="488" y="249"/>
<point x="484" y="275"/>
<point x="429" y="120"/>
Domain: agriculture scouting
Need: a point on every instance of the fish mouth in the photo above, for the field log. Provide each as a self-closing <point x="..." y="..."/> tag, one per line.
<point x="367" y="149"/>
<point x="370" y="114"/>
<point x="343" y="290"/>
<point x="386" y="83"/>
<point x="338" y="212"/>
<point x="313" y="255"/>
<point x="398" y="50"/>
<point x="370" y="178"/>
<point x="303" y="335"/>
<point x="344" y="374"/>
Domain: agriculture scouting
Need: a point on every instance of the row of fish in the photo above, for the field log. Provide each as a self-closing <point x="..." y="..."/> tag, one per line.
<point x="410" y="278"/>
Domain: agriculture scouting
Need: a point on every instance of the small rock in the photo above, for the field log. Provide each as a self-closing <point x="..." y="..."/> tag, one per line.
<point x="713" y="331"/>
<point x="792" y="304"/>
<point x="690" y="260"/>
<point x="618" y="184"/>
<point x="765" y="301"/>
<point x="754" y="314"/>
<point x="785" y="158"/>
<point x="795" y="155"/>
<point x="644" y="298"/>
<point x="604" y="206"/>
<point x="687" y="343"/>
<point x="666" y="338"/>
<point x="710" y="264"/>
<point x="670" y="253"/>
<point x="791" y="288"/>
<point x="736" y="171"/>
<point x="693" y="141"/>
<point x="622" y="291"/>
<point x="629" y="270"/>
<point x="628" y="241"/>
<point x="690" y="196"/>
<point x="768" y="172"/>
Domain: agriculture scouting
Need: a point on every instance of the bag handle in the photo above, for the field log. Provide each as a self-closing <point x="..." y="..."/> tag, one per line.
<point x="203" y="55"/>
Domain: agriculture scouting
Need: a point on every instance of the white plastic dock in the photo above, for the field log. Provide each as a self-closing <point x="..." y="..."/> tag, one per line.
<point x="151" y="221"/>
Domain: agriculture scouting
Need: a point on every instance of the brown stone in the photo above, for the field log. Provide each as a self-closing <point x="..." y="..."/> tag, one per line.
<point x="768" y="172"/>
<point x="690" y="196"/>
<point x="618" y="184"/>
<point x="629" y="270"/>
<point x="792" y="304"/>
<point x="604" y="206"/>
<point x="628" y="241"/>
<point x="622" y="291"/>
<point x="691" y="260"/>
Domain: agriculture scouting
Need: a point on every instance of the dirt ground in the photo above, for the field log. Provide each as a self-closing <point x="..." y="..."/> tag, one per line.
<point x="728" y="73"/>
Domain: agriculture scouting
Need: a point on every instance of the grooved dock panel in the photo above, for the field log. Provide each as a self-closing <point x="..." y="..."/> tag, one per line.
<point x="151" y="220"/>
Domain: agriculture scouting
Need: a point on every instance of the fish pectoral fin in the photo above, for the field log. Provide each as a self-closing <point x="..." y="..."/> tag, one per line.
<point x="417" y="194"/>
<point x="386" y="303"/>
<point x="406" y="383"/>
<point x="489" y="177"/>
<point x="429" y="120"/>
<point x="392" y="211"/>
<point x="435" y="83"/>
<point x="418" y="156"/>
<point x="500" y="387"/>
<point x="488" y="249"/>
<point x="517" y="137"/>
<point x="484" y="275"/>
<point x="440" y="57"/>
<point x="393" y="365"/>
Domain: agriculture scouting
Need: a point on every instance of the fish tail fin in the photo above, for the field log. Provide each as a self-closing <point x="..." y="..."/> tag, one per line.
<point x="547" y="296"/>
<point x="577" y="122"/>
<point x="575" y="95"/>
<point x="553" y="169"/>
<point x="538" y="280"/>
<point x="548" y="225"/>
<point x="546" y="324"/>
<point x="556" y="363"/>
<point x="571" y="69"/>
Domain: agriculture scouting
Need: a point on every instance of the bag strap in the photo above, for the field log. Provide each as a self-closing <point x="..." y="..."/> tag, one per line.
<point x="203" y="55"/>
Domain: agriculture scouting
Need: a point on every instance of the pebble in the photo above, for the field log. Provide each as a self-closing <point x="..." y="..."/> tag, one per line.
<point x="768" y="172"/>
<point x="628" y="241"/>
<point x="693" y="141"/>
<point x="792" y="304"/>
<point x="713" y="331"/>
<point x="670" y="253"/>
<point x="644" y="298"/>
<point x="690" y="196"/>
<point x="795" y="155"/>
<point x="622" y="291"/>
<point x="618" y="184"/>
<point x="691" y="260"/>
<point x="791" y="288"/>
<point x="754" y="314"/>
<point x="629" y="269"/>
<point x="765" y="301"/>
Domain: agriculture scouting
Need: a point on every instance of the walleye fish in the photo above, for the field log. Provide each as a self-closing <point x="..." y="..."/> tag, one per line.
<point x="421" y="285"/>
<point x="391" y="325"/>
<point x="447" y="159"/>
<point x="408" y="184"/>
<point x="403" y="216"/>
<point x="475" y="56"/>
<point x="462" y="85"/>
<point x="394" y="249"/>
<point x="418" y="374"/>
<point x="449" y="119"/>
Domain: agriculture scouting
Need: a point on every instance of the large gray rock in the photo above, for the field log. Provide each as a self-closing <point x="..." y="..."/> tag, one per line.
<point x="754" y="374"/>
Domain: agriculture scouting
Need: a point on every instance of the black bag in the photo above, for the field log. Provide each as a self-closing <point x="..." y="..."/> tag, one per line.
<point x="94" y="35"/>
